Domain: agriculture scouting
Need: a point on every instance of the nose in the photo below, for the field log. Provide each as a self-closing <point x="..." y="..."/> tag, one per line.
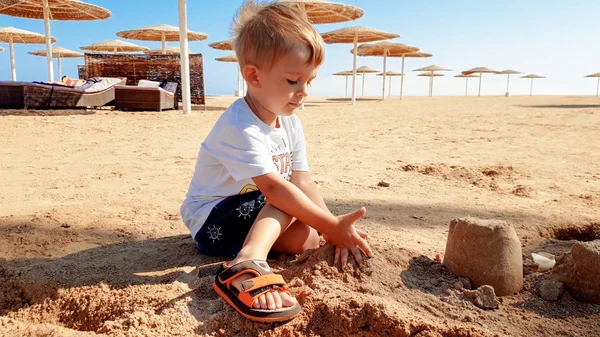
<point x="303" y="92"/>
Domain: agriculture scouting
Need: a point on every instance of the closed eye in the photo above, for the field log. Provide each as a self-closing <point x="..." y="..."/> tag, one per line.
<point x="292" y="82"/>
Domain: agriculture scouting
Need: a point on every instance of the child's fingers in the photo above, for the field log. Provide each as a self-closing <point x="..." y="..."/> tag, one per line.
<point x="336" y="257"/>
<point x="362" y="244"/>
<point x="344" y="257"/>
<point x="355" y="216"/>
<point x="361" y="233"/>
<point x="357" y="255"/>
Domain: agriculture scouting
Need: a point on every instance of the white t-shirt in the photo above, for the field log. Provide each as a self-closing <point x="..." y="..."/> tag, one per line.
<point x="239" y="147"/>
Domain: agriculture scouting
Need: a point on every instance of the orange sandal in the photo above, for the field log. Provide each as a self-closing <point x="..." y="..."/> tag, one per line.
<point x="264" y="282"/>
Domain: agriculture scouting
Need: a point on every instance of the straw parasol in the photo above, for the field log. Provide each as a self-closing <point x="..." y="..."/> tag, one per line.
<point x="1" y="49"/>
<point x="115" y="46"/>
<point x="384" y="49"/>
<point x="532" y="76"/>
<point x="171" y="50"/>
<point x="480" y="71"/>
<point x="431" y="75"/>
<point x="365" y="70"/>
<point x="13" y="35"/>
<point x="161" y="33"/>
<point x="232" y="59"/>
<point x="390" y="74"/>
<point x="354" y="35"/>
<point x="597" y="75"/>
<point x="69" y="10"/>
<point x="222" y="45"/>
<point x="345" y="74"/>
<point x="320" y="11"/>
<point x="508" y="73"/>
<point x="58" y="53"/>
<point x="431" y="70"/>
<point x="467" y="81"/>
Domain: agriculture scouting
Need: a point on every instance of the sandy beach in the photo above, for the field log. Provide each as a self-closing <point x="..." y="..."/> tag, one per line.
<point x="92" y="243"/>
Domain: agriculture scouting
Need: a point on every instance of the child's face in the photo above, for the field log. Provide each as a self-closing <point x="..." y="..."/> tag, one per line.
<point x="284" y="87"/>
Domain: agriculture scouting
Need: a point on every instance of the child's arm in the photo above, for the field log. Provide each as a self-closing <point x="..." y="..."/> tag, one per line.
<point x="291" y="200"/>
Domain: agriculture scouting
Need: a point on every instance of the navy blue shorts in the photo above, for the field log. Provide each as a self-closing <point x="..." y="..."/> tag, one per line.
<point x="228" y="224"/>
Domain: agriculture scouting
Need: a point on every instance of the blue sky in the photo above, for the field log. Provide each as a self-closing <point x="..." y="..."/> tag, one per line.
<point x="558" y="39"/>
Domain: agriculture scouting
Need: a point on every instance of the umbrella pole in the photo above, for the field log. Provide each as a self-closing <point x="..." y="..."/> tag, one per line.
<point x="384" y="73"/>
<point x="59" y="71"/>
<point x="363" y="85"/>
<point x="431" y="85"/>
<point x="507" y="86"/>
<point x="164" y="43"/>
<point x="346" y="92"/>
<point x="354" y="70"/>
<point x="389" y="86"/>
<point x="185" y="61"/>
<point x="531" y="88"/>
<point x="479" y="92"/>
<point x="467" y="87"/>
<point x="402" y="77"/>
<point x="11" y="48"/>
<point x="237" y="94"/>
<point x="48" y="41"/>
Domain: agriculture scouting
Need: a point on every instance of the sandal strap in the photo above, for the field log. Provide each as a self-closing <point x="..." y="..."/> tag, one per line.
<point x="254" y="287"/>
<point x="256" y="267"/>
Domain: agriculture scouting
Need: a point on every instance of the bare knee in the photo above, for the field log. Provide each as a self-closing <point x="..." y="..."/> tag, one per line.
<point x="297" y="239"/>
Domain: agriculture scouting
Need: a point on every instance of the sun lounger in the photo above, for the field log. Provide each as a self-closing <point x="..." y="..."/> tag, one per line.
<point x="22" y="95"/>
<point x="147" y="95"/>
<point x="95" y="95"/>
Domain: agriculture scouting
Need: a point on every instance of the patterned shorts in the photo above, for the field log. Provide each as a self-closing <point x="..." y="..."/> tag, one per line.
<point x="228" y="224"/>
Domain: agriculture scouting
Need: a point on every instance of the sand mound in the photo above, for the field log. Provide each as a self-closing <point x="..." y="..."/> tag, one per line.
<point x="497" y="178"/>
<point x="580" y="271"/>
<point x="486" y="251"/>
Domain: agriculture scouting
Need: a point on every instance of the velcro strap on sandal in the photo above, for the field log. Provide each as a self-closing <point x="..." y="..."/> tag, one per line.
<point x="257" y="286"/>
<point x="255" y="267"/>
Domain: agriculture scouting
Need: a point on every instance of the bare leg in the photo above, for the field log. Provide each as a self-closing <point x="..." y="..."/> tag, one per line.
<point x="268" y="228"/>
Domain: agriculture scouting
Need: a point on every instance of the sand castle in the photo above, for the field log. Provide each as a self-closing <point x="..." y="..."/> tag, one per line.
<point x="486" y="251"/>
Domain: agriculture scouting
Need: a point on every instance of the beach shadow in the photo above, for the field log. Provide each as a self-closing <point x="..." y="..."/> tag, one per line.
<point x="45" y="113"/>
<point x="562" y="106"/>
<point x="428" y="276"/>
<point x="566" y="307"/>
<point x="397" y="214"/>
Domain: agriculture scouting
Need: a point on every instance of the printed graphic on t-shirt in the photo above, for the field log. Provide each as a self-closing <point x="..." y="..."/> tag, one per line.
<point x="282" y="159"/>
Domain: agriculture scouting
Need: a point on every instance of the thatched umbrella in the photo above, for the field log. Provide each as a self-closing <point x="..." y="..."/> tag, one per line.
<point x="13" y="35"/>
<point x="389" y="75"/>
<point x="354" y="35"/>
<point x="467" y="81"/>
<point x="58" y="53"/>
<point x="508" y="73"/>
<point x="365" y="70"/>
<point x="480" y="71"/>
<point x="532" y="76"/>
<point x="222" y="45"/>
<point x="161" y="33"/>
<point x="171" y="50"/>
<point x="67" y="10"/>
<point x="233" y="59"/>
<point x="384" y="49"/>
<point x="431" y="75"/>
<point x="431" y="70"/>
<point x="597" y="75"/>
<point x="1" y="49"/>
<point x="320" y="11"/>
<point x="115" y="46"/>
<point x="345" y="74"/>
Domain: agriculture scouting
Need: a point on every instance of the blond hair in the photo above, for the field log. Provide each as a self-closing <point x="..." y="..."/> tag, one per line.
<point x="264" y="32"/>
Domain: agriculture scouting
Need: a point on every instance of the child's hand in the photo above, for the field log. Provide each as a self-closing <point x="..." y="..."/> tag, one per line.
<point x="341" y="252"/>
<point x="345" y="235"/>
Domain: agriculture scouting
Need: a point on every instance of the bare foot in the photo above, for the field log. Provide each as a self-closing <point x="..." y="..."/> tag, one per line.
<point x="272" y="300"/>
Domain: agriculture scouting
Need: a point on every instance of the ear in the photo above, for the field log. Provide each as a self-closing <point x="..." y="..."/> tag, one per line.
<point x="251" y="75"/>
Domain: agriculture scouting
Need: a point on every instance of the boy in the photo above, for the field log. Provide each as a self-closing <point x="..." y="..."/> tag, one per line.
<point x="251" y="191"/>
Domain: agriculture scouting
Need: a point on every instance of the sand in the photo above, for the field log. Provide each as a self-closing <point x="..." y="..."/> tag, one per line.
<point x="92" y="244"/>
